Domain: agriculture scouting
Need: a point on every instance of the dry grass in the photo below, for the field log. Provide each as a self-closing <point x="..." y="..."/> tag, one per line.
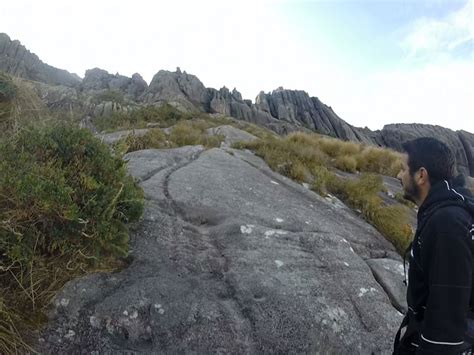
<point x="191" y="132"/>
<point x="311" y="158"/>
<point x="19" y="104"/>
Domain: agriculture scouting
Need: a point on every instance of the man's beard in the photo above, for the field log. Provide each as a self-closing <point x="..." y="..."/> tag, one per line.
<point x="411" y="192"/>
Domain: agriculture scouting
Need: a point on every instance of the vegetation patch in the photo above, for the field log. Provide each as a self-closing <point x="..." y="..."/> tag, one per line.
<point x="312" y="158"/>
<point x="65" y="202"/>
<point x="19" y="104"/>
<point x="162" y="116"/>
<point x="184" y="133"/>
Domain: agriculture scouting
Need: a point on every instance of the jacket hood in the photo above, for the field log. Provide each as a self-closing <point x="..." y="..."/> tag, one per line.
<point x="446" y="193"/>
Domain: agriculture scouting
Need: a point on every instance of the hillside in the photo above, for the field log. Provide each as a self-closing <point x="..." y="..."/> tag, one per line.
<point x="283" y="111"/>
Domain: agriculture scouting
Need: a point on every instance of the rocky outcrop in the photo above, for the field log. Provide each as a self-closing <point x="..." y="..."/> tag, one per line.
<point x="16" y="60"/>
<point x="298" y="108"/>
<point x="178" y="88"/>
<point x="283" y="111"/>
<point x="234" y="258"/>
<point x="231" y="135"/>
<point x="460" y="142"/>
<point x="99" y="79"/>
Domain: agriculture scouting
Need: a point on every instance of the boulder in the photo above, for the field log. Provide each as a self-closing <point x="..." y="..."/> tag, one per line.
<point x="231" y="134"/>
<point x="230" y="257"/>
<point x="183" y="90"/>
<point x="391" y="274"/>
<point x="98" y="80"/>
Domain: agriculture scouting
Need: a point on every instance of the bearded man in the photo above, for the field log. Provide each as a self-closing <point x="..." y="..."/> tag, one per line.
<point x="441" y="263"/>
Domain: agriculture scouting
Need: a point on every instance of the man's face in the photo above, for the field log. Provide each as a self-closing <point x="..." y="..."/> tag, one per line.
<point x="411" y="191"/>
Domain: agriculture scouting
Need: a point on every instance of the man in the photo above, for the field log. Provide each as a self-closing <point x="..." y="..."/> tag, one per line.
<point x="440" y="275"/>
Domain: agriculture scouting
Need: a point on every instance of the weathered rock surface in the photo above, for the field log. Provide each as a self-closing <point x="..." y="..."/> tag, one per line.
<point x="231" y="134"/>
<point x="460" y="142"/>
<point x="231" y="258"/>
<point x="297" y="107"/>
<point x="390" y="274"/>
<point x="16" y="60"/>
<point x="99" y="79"/>
<point x="182" y="90"/>
<point x="283" y="111"/>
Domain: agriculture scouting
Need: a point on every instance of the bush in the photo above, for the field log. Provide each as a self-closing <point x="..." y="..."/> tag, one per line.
<point x="65" y="200"/>
<point x="60" y="183"/>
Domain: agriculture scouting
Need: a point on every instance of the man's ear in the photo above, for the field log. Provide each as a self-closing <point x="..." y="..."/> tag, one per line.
<point x="423" y="176"/>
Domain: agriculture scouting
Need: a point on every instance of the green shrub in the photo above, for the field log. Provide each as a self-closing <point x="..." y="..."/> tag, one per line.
<point x="65" y="200"/>
<point x="60" y="183"/>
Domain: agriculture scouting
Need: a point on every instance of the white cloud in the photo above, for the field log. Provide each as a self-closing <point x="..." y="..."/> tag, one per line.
<point x="429" y="36"/>
<point x="252" y="46"/>
<point x="438" y="94"/>
<point x="432" y="85"/>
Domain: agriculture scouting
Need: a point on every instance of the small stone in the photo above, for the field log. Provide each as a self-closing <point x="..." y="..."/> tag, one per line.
<point x="94" y="322"/>
<point x="70" y="334"/>
<point x="64" y="302"/>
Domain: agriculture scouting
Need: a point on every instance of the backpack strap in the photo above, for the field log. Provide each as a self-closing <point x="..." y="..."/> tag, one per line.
<point x="396" y="343"/>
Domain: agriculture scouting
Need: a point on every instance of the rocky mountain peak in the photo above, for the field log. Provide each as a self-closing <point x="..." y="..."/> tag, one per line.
<point x="18" y="61"/>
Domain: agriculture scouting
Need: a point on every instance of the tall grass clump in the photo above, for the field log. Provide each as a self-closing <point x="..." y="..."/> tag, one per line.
<point x="19" y="104"/>
<point x="312" y="158"/>
<point x="191" y="132"/>
<point x="164" y="115"/>
<point x="65" y="202"/>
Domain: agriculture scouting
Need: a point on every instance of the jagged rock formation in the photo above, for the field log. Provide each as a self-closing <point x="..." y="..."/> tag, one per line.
<point x="16" y="60"/>
<point x="283" y="111"/>
<point x="231" y="135"/>
<point x="178" y="88"/>
<point x="296" y="107"/>
<point x="234" y="258"/>
<point x="460" y="142"/>
<point x="99" y="79"/>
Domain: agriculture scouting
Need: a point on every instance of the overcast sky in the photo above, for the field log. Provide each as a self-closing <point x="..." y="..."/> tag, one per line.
<point x="374" y="62"/>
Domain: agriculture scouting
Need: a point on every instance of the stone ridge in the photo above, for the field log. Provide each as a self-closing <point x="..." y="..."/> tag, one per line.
<point x="16" y="60"/>
<point x="282" y="110"/>
<point x="99" y="79"/>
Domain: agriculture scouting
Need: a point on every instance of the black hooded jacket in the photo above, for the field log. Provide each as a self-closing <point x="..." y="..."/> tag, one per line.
<point x="440" y="275"/>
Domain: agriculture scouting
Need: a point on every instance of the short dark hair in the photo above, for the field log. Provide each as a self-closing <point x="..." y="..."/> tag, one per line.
<point x="433" y="155"/>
